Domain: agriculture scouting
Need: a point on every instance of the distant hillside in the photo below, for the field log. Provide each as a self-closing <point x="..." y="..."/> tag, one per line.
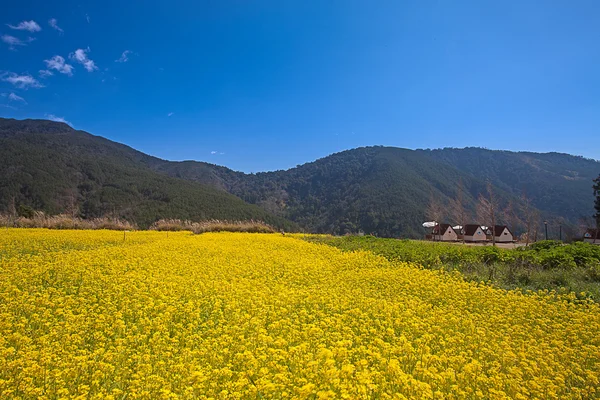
<point x="557" y="183"/>
<point x="380" y="190"/>
<point x="51" y="167"/>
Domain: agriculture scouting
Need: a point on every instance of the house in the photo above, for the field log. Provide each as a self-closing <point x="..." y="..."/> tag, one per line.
<point x="592" y="236"/>
<point x="473" y="233"/>
<point x="447" y="233"/>
<point x="502" y="234"/>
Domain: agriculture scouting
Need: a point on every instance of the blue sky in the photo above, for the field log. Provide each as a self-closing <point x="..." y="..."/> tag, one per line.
<point x="264" y="85"/>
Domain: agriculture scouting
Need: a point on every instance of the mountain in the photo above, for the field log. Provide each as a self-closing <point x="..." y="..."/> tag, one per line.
<point x="385" y="190"/>
<point x="381" y="190"/>
<point x="51" y="167"/>
<point x="557" y="183"/>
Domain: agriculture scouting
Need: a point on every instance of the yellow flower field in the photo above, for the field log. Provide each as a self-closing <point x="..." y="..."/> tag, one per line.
<point x="86" y="314"/>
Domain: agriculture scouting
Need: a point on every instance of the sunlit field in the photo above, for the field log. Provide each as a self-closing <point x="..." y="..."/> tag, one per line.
<point x="106" y="314"/>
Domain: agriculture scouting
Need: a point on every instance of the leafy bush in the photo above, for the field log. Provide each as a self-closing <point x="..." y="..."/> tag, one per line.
<point x="554" y="259"/>
<point x="545" y="245"/>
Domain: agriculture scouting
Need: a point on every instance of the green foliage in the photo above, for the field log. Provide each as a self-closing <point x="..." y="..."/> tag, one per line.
<point x="25" y="211"/>
<point x="544" y="265"/>
<point x="544" y="245"/>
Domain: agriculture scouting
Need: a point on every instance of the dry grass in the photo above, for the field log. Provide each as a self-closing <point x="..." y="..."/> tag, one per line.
<point x="62" y="221"/>
<point x="172" y="225"/>
<point x="212" y="226"/>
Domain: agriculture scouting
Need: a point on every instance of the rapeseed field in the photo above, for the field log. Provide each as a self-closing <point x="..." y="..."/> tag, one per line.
<point x="157" y="315"/>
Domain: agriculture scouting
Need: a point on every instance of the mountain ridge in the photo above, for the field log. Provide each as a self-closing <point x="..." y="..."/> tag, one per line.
<point x="375" y="189"/>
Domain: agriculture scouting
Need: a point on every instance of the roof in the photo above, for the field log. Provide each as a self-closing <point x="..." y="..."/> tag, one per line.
<point x="498" y="229"/>
<point x="592" y="233"/>
<point x="443" y="226"/>
<point x="470" y="229"/>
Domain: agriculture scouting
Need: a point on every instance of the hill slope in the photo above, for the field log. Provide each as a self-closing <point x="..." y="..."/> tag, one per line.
<point x="381" y="190"/>
<point x="557" y="183"/>
<point x="385" y="190"/>
<point x="51" y="167"/>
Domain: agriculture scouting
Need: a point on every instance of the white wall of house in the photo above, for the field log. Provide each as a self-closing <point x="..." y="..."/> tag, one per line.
<point x="505" y="236"/>
<point x="448" y="236"/>
<point x="592" y="240"/>
<point x="478" y="236"/>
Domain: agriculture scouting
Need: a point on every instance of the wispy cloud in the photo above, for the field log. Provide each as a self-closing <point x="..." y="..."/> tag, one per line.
<point x="14" y="97"/>
<point x="124" y="57"/>
<point x="214" y="152"/>
<point x="20" y="81"/>
<point x="44" y="73"/>
<point x="170" y="114"/>
<point x="54" y="24"/>
<point x="54" y="118"/>
<point x="58" y="63"/>
<point x="87" y="17"/>
<point x="12" y="41"/>
<point x="30" y="26"/>
<point x="80" y="55"/>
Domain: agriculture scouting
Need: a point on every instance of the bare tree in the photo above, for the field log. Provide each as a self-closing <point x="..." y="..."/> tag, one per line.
<point x="71" y="206"/>
<point x="435" y="210"/>
<point x="596" y="188"/>
<point x="535" y="223"/>
<point x="487" y="209"/>
<point x="528" y="214"/>
<point x="510" y="216"/>
<point x="12" y="210"/>
<point x="457" y="206"/>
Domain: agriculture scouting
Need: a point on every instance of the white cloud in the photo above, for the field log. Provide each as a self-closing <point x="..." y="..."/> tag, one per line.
<point x="54" y="24"/>
<point x="80" y="55"/>
<point x="54" y="118"/>
<point x="170" y="114"/>
<point x="21" y="81"/>
<point x="14" y="97"/>
<point x="12" y="41"/>
<point x="213" y="152"/>
<point x="44" y="73"/>
<point x="58" y="63"/>
<point x="30" y="26"/>
<point x="217" y="152"/>
<point x="124" y="57"/>
<point x="87" y="17"/>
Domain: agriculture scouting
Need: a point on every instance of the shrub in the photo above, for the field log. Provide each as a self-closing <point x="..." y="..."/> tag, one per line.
<point x="545" y="245"/>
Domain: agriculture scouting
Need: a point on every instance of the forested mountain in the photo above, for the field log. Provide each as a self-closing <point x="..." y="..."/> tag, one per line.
<point x="386" y="190"/>
<point x="381" y="190"/>
<point x="555" y="182"/>
<point x="51" y="167"/>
